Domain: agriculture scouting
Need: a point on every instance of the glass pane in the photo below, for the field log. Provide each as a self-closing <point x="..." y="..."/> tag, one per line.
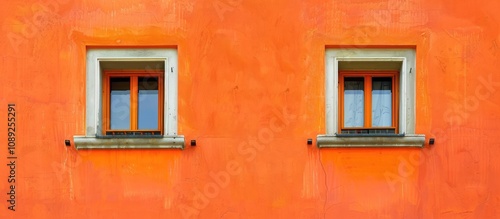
<point x="354" y="102"/>
<point x="120" y="103"/>
<point x="382" y="102"/>
<point x="148" y="103"/>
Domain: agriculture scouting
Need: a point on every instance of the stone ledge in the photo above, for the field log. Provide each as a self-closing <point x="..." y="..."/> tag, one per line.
<point x="333" y="141"/>
<point x="166" y="142"/>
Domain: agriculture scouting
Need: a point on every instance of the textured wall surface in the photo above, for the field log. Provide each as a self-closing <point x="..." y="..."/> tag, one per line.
<point x="251" y="91"/>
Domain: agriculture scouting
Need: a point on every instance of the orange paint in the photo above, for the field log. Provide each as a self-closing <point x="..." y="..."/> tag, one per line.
<point x="251" y="70"/>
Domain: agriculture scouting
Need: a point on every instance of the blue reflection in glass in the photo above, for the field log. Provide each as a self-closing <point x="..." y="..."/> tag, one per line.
<point x="148" y="103"/>
<point x="120" y="103"/>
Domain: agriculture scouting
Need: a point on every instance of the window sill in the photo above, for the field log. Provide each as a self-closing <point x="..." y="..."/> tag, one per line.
<point x="165" y="142"/>
<point x="334" y="141"/>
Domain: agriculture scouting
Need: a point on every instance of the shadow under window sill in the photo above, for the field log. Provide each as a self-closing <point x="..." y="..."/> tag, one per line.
<point x="124" y="142"/>
<point x="370" y="141"/>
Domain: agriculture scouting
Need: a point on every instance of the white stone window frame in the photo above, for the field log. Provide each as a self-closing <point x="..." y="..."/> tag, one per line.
<point x="407" y="82"/>
<point x="93" y="139"/>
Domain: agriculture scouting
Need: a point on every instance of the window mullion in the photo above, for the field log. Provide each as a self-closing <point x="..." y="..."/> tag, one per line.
<point x="133" y="102"/>
<point x="368" y="101"/>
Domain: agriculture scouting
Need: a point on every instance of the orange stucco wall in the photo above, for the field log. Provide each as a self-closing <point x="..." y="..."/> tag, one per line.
<point x="251" y="92"/>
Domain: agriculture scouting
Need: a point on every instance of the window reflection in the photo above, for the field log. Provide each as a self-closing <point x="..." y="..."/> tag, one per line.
<point x="120" y="103"/>
<point x="148" y="103"/>
<point x="354" y="102"/>
<point x="382" y="102"/>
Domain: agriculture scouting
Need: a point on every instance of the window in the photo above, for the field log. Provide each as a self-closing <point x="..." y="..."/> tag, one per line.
<point x="132" y="103"/>
<point x="370" y="98"/>
<point x="368" y="102"/>
<point x="131" y="99"/>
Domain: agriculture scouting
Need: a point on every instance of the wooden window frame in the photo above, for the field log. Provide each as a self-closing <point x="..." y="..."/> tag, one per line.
<point x="367" y="76"/>
<point x="134" y="90"/>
